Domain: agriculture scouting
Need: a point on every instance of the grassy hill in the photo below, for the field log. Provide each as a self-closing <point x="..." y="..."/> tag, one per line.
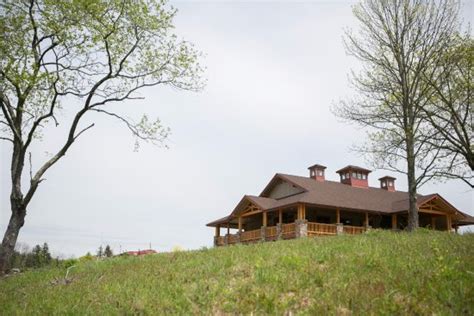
<point x="378" y="272"/>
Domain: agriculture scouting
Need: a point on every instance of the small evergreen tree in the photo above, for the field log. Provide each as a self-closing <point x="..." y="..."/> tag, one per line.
<point x="100" y="252"/>
<point x="45" y="255"/>
<point x="35" y="260"/>
<point x="108" y="252"/>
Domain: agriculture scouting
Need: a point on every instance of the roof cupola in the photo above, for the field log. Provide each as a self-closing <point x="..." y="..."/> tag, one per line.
<point x="355" y="176"/>
<point x="387" y="183"/>
<point x="316" y="172"/>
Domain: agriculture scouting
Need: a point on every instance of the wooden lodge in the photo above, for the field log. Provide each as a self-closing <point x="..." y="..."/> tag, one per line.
<point x="294" y="206"/>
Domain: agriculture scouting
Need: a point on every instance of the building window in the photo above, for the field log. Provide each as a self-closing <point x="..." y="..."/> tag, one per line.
<point x="343" y="176"/>
<point x="347" y="175"/>
<point x="320" y="172"/>
<point x="354" y="175"/>
<point x="390" y="183"/>
<point x="364" y="176"/>
<point x="384" y="184"/>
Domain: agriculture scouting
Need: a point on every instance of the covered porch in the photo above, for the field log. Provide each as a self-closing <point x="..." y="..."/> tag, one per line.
<point x="253" y="224"/>
<point x="296" y="221"/>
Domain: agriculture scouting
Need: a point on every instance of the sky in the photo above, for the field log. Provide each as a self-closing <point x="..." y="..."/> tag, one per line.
<point x="274" y="69"/>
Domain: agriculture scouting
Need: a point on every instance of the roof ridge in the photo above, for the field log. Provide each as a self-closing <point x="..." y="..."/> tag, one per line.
<point x="337" y="182"/>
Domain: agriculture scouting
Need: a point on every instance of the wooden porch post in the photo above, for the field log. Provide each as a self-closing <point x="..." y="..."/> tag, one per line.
<point x="280" y="216"/>
<point x="240" y="224"/>
<point x="264" y="220"/>
<point x="433" y="222"/>
<point x="228" y="229"/>
<point x="338" y="216"/>
<point x="366" y="219"/>
<point x="218" y="231"/>
<point x="301" y="211"/>
<point x="394" y="221"/>
<point x="448" y="222"/>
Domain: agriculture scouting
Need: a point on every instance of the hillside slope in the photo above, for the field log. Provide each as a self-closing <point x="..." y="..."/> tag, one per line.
<point x="378" y="272"/>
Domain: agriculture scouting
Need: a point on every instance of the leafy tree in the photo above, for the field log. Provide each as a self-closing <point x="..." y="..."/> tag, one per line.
<point x="81" y="58"/>
<point x="108" y="252"/>
<point x="399" y="42"/>
<point x="450" y="111"/>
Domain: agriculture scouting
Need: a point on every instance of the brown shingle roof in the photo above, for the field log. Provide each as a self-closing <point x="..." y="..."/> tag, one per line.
<point x="334" y="194"/>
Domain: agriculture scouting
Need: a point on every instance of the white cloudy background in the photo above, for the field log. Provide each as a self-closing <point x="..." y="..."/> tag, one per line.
<point x="273" y="70"/>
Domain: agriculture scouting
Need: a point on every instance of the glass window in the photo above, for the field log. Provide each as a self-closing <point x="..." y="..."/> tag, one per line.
<point x="343" y="176"/>
<point x="354" y="175"/>
<point x="320" y="172"/>
<point x="364" y="176"/>
<point x="384" y="184"/>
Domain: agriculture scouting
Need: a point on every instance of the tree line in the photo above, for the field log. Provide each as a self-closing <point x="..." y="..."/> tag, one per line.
<point x="40" y="256"/>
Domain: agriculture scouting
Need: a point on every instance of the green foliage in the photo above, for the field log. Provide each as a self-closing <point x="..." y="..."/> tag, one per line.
<point x="37" y="258"/>
<point x="108" y="252"/>
<point x="381" y="272"/>
<point x="87" y="257"/>
<point x="68" y="263"/>
<point x="99" y="52"/>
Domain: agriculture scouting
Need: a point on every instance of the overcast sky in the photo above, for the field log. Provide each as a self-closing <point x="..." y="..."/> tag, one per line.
<point x="273" y="70"/>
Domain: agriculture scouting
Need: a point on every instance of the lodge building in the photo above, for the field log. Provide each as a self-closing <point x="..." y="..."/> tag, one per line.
<point x="294" y="206"/>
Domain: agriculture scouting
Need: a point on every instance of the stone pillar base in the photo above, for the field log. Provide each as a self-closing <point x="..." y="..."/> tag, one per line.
<point x="301" y="228"/>
<point x="339" y="229"/>
<point x="263" y="231"/>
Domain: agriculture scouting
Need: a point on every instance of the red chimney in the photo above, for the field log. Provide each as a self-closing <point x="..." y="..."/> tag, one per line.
<point x="355" y="176"/>
<point x="316" y="172"/>
<point x="387" y="183"/>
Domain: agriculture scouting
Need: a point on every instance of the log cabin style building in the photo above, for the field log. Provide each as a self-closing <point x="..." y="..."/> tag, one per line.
<point x="294" y="206"/>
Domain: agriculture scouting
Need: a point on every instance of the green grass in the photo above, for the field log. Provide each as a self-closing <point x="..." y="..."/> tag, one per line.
<point x="375" y="273"/>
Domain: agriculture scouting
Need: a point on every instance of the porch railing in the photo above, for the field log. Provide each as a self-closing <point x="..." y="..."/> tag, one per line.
<point x="353" y="230"/>
<point x="251" y="235"/>
<point x="321" y="229"/>
<point x="288" y="230"/>
<point x="232" y="239"/>
<point x="271" y="233"/>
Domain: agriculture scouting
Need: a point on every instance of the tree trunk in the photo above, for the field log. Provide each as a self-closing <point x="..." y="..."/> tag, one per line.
<point x="18" y="209"/>
<point x="412" y="208"/>
<point x="17" y="219"/>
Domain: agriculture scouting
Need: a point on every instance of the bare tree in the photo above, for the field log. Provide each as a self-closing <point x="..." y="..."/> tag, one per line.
<point x="84" y="55"/>
<point x="398" y="43"/>
<point x="450" y="112"/>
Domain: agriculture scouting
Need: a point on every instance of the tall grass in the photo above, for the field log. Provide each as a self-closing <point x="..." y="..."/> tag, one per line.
<point x="375" y="273"/>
